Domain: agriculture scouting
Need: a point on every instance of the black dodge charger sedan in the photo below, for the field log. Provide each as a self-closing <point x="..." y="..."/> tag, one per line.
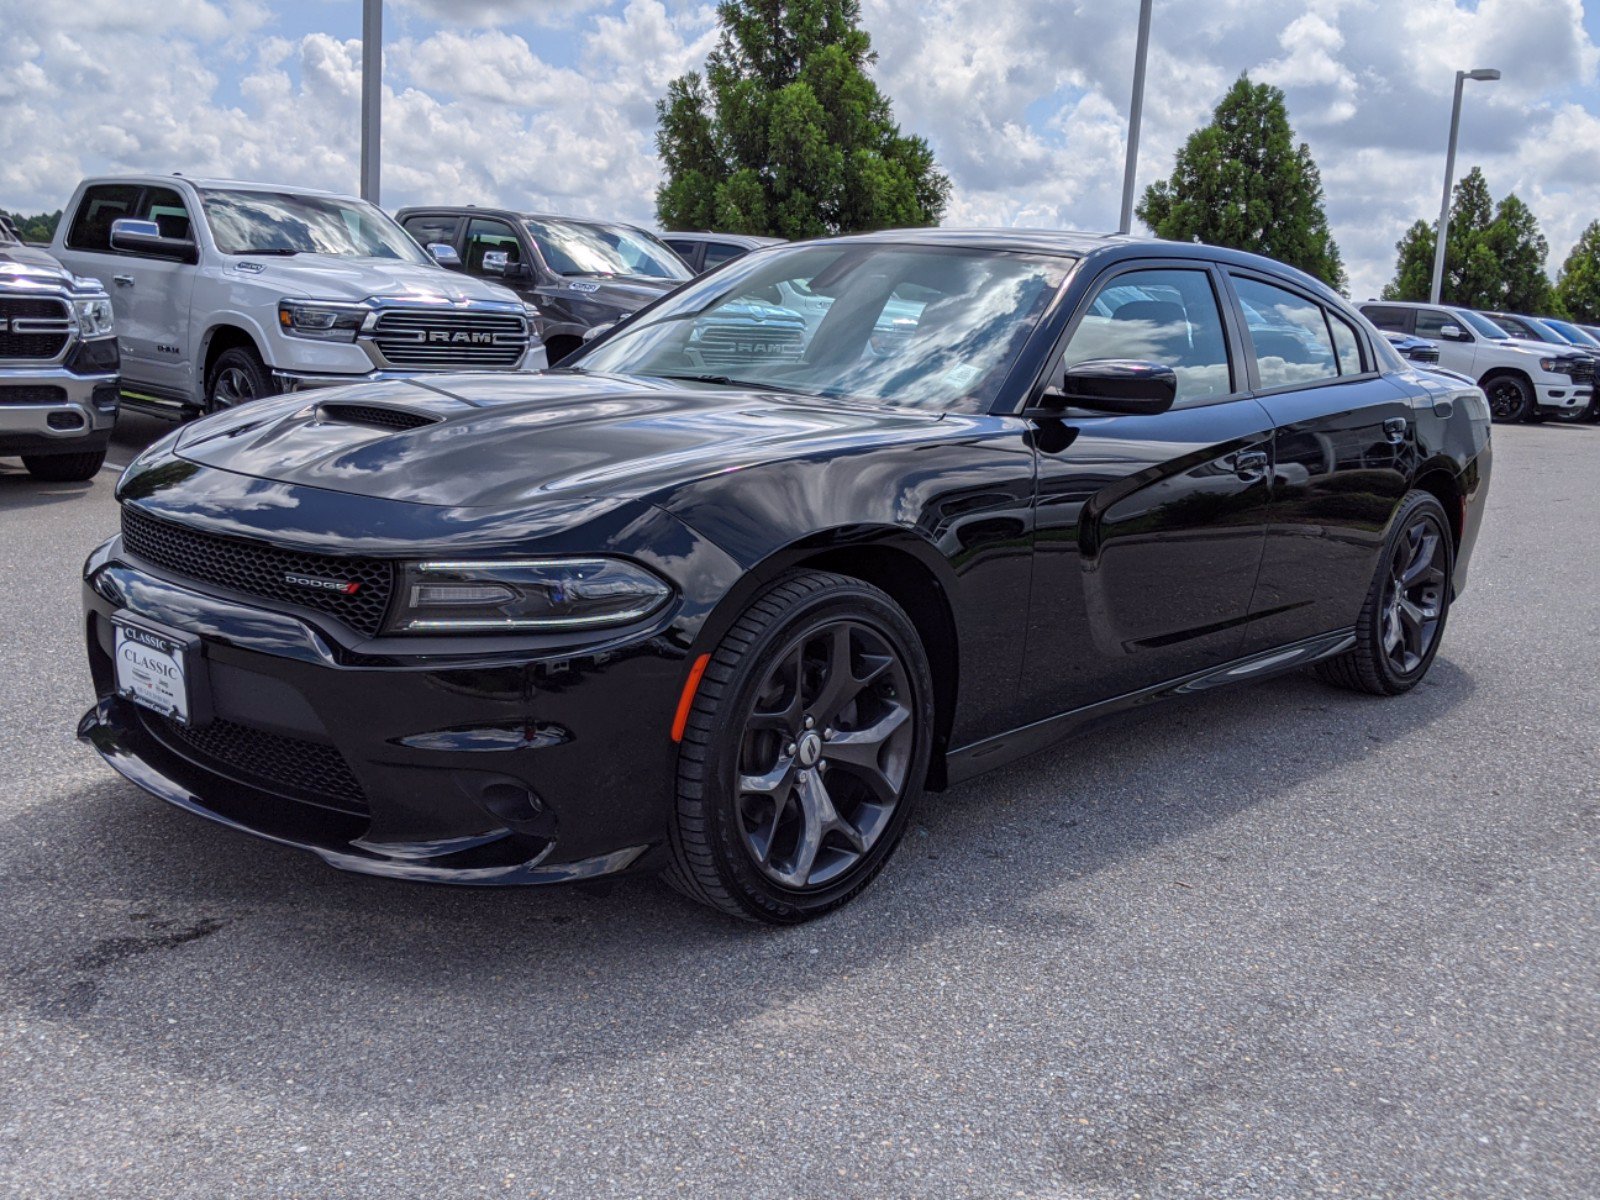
<point x="730" y="621"/>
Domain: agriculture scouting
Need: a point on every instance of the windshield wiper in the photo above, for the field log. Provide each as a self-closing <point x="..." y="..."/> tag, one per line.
<point x="748" y="384"/>
<point x="278" y="250"/>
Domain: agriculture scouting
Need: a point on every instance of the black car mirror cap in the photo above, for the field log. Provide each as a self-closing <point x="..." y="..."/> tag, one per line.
<point x="1126" y="387"/>
<point x="134" y="236"/>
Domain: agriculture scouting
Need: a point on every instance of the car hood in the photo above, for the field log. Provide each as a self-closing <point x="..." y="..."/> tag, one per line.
<point x="512" y="440"/>
<point x="1543" y="349"/>
<point x="14" y="257"/>
<point x="330" y="277"/>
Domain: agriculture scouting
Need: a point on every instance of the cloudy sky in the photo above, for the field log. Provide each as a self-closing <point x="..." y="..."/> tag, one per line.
<point x="549" y="103"/>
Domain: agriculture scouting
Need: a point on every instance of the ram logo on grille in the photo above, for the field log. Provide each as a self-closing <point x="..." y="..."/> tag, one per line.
<point x="345" y="587"/>
<point x="462" y="337"/>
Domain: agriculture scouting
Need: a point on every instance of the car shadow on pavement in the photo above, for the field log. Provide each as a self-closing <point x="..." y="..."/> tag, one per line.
<point x="19" y="490"/>
<point x="203" y="952"/>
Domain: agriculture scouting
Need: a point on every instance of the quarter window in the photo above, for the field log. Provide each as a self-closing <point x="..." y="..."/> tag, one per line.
<point x="1395" y="320"/>
<point x="1345" y="344"/>
<point x="718" y="253"/>
<point x="1288" y="335"/>
<point x="1169" y="317"/>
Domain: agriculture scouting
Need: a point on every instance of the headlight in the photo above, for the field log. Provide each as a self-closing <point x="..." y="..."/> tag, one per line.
<point x="1559" y="366"/>
<point x="323" y="320"/>
<point x="534" y="594"/>
<point x="94" y="316"/>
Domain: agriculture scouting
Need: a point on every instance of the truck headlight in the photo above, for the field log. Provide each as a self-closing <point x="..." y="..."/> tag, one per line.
<point x="94" y="316"/>
<point x="527" y="595"/>
<point x="322" y="320"/>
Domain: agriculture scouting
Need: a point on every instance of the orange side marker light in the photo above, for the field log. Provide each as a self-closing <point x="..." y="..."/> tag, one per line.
<point x="686" y="701"/>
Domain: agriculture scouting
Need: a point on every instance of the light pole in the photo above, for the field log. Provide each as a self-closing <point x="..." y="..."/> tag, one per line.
<point x="1135" y="114"/>
<point x="371" y="95"/>
<point x="1481" y="75"/>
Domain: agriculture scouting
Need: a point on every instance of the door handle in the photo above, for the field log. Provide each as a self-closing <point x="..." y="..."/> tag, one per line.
<point x="1250" y="464"/>
<point x="122" y="280"/>
<point x="1394" y="428"/>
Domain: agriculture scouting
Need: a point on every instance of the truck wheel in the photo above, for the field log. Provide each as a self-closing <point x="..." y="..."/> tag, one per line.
<point x="64" y="468"/>
<point x="236" y="378"/>
<point x="1510" y="400"/>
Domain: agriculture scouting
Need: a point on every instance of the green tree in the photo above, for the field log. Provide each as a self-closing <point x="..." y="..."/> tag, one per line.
<point x="1241" y="181"/>
<point x="1494" y="259"/>
<point x="40" y="227"/>
<point x="785" y="134"/>
<point x="1578" y="289"/>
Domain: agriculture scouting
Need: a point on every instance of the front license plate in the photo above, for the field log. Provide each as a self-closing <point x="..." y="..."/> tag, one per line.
<point x="153" y="670"/>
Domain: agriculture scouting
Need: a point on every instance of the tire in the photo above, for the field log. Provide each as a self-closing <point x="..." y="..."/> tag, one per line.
<point x="1376" y="665"/>
<point x="1510" y="399"/>
<point x="236" y="377"/>
<point x="65" y="468"/>
<point x="839" y="764"/>
<point x="1573" y="416"/>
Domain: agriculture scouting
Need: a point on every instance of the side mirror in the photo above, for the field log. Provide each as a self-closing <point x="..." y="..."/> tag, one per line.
<point x="1114" y="385"/>
<point x="445" y="255"/>
<point x="1454" y="333"/>
<point x="494" y="262"/>
<point x="133" y="236"/>
<point x="590" y="334"/>
<point x="517" y="270"/>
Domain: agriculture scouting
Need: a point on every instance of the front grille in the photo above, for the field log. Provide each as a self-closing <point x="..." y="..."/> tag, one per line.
<point x="374" y="414"/>
<point x="308" y="770"/>
<point x="732" y="343"/>
<point x="1424" y="354"/>
<point x="1583" y="372"/>
<point x="32" y="393"/>
<point x="34" y="327"/>
<point x="457" y="338"/>
<point x="257" y="569"/>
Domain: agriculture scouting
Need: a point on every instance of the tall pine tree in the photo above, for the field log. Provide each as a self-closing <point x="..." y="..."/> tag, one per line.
<point x="1241" y="181"/>
<point x="1578" y="289"/>
<point x="785" y="134"/>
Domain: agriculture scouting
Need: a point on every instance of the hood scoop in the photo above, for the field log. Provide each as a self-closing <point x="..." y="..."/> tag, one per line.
<point x="374" y="414"/>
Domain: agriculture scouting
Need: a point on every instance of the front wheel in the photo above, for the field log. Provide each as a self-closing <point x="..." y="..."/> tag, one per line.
<point x="1510" y="399"/>
<point x="805" y="751"/>
<point x="1403" y="619"/>
<point x="237" y="377"/>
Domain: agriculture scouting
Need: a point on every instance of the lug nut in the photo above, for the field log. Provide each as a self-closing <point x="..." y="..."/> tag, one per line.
<point x="789" y="750"/>
<point x="810" y="721"/>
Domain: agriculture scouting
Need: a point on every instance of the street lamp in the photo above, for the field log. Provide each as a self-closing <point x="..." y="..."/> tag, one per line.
<point x="1135" y="114"/>
<point x="371" y="95"/>
<point x="1481" y="75"/>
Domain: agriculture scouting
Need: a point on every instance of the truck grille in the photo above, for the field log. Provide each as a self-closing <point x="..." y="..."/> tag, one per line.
<point x="310" y="770"/>
<point x="437" y="339"/>
<point x="257" y="569"/>
<point x="1583" y="372"/>
<point x="32" y="393"/>
<point x="34" y="327"/>
<point x="732" y="343"/>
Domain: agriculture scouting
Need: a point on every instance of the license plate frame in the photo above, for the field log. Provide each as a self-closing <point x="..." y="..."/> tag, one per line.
<point x="160" y="669"/>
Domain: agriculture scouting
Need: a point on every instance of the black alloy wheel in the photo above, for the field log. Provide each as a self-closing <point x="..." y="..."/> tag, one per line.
<point x="805" y="751"/>
<point x="1403" y="620"/>
<point x="236" y="378"/>
<point x="1510" y="399"/>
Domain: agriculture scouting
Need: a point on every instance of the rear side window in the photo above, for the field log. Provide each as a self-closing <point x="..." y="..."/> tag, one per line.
<point x="1169" y="317"/>
<point x="718" y="253"/>
<point x="1288" y="335"/>
<point x="101" y="205"/>
<point x="1396" y="320"/>
<point x="1345" y="344"/>
<point x="1431" y="322"/>
<point x="428" y="229"/>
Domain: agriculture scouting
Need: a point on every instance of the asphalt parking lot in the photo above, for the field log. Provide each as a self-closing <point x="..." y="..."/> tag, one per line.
<point x="1278" y="942"/>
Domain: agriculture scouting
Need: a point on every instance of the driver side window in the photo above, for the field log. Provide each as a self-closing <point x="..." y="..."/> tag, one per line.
<point x="1170" y="317"/>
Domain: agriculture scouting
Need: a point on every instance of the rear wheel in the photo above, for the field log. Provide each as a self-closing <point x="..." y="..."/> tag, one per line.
<point x="237" y="377"/>
<point x="805" y="751"/>
<point x="1510" y="399"/>
<point x="65" y="468"/>
<point x="1403" y="619"/>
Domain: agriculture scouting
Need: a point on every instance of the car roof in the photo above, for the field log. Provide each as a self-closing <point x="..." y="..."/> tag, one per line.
<point x="511" y="214"/>
<point x="200" y="181"/>
<point x="737" y="239"/>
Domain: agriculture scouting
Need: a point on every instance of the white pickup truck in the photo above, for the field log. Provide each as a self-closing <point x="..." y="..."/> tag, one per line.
<point x="228" y="291"/>
<point x="1523" y="380"/>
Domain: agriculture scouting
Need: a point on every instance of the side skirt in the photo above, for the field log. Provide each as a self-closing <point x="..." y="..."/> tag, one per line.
<point x="974" y="759"/>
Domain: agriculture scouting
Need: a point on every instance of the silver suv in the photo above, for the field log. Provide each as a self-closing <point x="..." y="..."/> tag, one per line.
<point x="227" y="291"/>
<point x="58" y="365"/>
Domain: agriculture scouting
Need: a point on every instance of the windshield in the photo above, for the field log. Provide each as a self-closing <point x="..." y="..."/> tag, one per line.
<point x="1572" y="334"/>
<point x="247" y="222"/>
<point x="1482" y="325"/>
<point x="925" y="327"/>
<point x="586" y="248"/>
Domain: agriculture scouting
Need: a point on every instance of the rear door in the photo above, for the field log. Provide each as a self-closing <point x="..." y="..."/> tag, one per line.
<point x="1344" y="451"/>
<point x="1150" y="528"/>
<point x="691" y="252"/>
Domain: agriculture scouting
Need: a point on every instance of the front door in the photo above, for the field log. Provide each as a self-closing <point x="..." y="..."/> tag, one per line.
<point x="1149" y="528"/>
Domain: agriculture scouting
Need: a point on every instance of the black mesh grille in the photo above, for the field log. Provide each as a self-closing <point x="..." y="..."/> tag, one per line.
<point x="257" y="569"/>
<point x="1583" y="372"/>
<point x="428" y="338"/>
<point x="17" y="393"/>
<point x="372" y="414"/>
<point x="46" y="326"/>
<point x="309" y="770"/>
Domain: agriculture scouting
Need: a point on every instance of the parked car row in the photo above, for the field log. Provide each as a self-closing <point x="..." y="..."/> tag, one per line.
<point x="1529" y="368"/>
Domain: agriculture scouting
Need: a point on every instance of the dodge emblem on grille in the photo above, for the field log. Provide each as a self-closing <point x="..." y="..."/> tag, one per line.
<point x="346" y="587"/>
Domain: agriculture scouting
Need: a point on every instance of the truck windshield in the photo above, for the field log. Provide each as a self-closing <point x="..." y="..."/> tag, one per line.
<point x="589" y="248"/>
<point x="249" y="222"/>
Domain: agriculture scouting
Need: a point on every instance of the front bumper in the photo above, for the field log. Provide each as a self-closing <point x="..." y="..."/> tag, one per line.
<point x="79" y="416"/>
<point x="506" y="768"/>
<point x="1563" y="395"/>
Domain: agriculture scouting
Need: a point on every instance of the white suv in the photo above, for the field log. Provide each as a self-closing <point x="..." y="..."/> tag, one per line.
<point x="1523" y="380"/>
<point x="228" y="291"/>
